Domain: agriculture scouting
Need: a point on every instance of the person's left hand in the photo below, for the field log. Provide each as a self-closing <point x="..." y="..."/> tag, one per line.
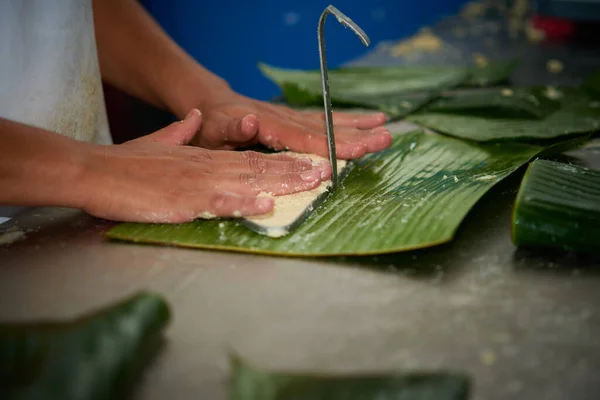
<point x="236" y="121"/>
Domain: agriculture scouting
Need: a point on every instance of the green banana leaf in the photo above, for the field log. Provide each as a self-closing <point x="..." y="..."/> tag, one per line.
<point x="491" y="74"/>
<point x="514" y="102"/>
<point x="97" y="356"/>
<point x="397" y="91"/>
<point x="592" y="84"/>
<point x="413" y="195"/>
<point x="249" y="383"/>
<point x="576" y="115"/>
<point x="558" y="206"/>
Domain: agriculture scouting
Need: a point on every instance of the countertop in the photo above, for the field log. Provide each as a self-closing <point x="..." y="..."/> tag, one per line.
<point x="523" y="324"/>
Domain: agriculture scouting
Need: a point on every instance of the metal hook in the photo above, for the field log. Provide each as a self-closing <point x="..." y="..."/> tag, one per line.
<point x="347" y="22"/>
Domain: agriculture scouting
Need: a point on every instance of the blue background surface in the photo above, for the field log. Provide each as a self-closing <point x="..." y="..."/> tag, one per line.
<point x="230" y="37"/>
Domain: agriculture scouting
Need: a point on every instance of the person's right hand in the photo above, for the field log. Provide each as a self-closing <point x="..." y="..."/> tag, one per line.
<point x="158" y="178"/>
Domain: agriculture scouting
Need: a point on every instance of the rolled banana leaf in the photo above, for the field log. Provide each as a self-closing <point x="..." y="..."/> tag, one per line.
<point x="558" y="206"/>
<point x="577" y="114"/>
<point x="413" y="195"/>
<point x="249" y="383"/>
<point x="94" y="357"/>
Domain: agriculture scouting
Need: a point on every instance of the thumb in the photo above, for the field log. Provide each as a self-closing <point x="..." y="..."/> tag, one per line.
<point x="221" y="130"/>
<point x="178" y="133"/>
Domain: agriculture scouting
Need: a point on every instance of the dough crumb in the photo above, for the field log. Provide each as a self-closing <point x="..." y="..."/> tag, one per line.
<point x="11" y="236"/>
<point x="424" y="40"/>
<point x="533" y="34"/>
<point x="554" y="66"/>
<point x="552" y="93"/>
<point x="480" y="60"/>
<point x="207" y="215"/>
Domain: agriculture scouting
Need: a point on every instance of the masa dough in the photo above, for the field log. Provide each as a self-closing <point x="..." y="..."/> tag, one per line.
<point x="288" y="208"/>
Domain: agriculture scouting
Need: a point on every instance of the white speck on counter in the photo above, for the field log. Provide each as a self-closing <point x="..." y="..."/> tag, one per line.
<point x="10" y="236"/>
<point x="488" y="357"/>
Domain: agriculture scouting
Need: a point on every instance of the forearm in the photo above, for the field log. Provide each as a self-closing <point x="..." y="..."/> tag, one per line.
<point x="40" y="168"/>
<point x="138" y="57"/>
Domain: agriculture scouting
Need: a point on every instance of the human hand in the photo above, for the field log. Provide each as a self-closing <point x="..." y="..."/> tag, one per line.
<point x="233" y="121"/>
<point x="157" y="178"/>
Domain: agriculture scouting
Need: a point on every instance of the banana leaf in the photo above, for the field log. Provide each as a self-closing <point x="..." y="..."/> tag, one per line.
<point x="514" y="102"/>
<point x="97" y="356"/>
<point x="558" y="206"/>
<point x="413" y="195"/>
<point x="397" y="91"/>
<point x="249" y="383"/>
<point x="592" y="84"/>
<point x="491" y="74"/>
<point x="576" y="115"/>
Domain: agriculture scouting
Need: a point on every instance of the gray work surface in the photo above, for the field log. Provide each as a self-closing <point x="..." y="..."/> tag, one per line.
<point x="523" y="324"/>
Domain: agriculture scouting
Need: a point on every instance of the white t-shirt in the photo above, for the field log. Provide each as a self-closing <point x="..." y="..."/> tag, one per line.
<point x="49" y="72"/>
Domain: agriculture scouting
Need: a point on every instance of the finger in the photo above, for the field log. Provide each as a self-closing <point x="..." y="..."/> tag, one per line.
<point x="353" y="120"/>
<point x="276" y="184"/>
<point x="349" y="138"/>
<point x="220" y="129"/>
<point x="280" y="134"/>
<point x="375" y="139"/>
<point x="220" y="161"/>
<point x="178" y="133"/>
<point x="226" y="204"/>
<point x="260" y="164"/>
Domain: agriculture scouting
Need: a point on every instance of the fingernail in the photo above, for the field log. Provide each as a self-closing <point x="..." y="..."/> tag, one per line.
<point x="191" y="113"/>
<point x="323" y="167"/>
<point x="310" y="176"/>
<point x="264" y="204"/>
<point x="380" y="131"/>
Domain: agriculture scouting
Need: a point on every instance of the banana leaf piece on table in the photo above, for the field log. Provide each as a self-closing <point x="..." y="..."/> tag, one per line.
<point x="491" y="74"/>
<point x="249" y="383"/>
<point x="576" y="115"/>
<point x="97" y="356"/>
<point x="558" y="206"/>
<point x="592" y="84"/>
<point x="507" y="102"/>
<point x="397" y="91"/>
<point x="413" y="195"/>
